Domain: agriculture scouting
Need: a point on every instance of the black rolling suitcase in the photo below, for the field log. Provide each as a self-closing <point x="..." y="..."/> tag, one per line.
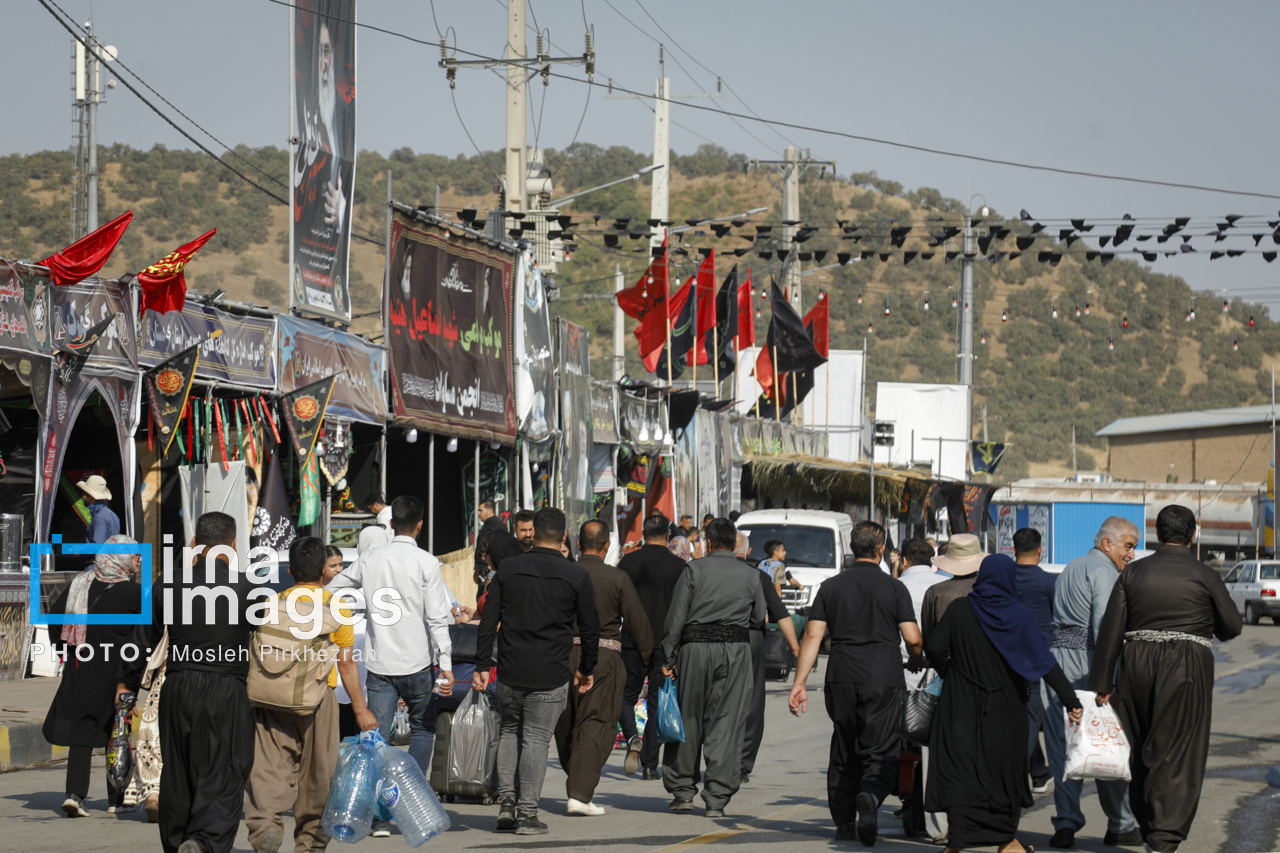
<point x="778" y="659"/>
<point x="445" y="787"/>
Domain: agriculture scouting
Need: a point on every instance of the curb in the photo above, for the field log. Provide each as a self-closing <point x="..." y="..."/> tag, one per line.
<point x="23" y="746"/>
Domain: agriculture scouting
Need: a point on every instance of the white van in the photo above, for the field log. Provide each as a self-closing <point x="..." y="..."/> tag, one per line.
<point x="817" y="546"/>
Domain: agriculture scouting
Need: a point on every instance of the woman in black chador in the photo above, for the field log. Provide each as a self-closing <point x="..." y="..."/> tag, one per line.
<point x="988" y="650"/>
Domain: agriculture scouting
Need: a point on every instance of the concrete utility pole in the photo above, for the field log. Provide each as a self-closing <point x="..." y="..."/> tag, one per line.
<point x="967" y="308"/>
<point x="792" y="167"/>
<point x="659" y="207"/>
<point x="89" y="56"/>
<point x="520" y="69"/>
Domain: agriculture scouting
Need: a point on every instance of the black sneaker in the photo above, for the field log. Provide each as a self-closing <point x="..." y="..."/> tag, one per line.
<point x="1040" y="784"/>
<point x="679" y="805"/>
<point x="1064" y="838"/>
<point x="73" y="805"/>
<point x="868" y="828"/>
<point x="1132" y="838"/>
<point x="530" y="825"/>
<point x="506" y="817"/>
<point x="650" y="774"/>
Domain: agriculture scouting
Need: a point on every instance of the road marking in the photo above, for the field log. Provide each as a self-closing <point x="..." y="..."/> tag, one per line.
<point x="721" y="834"/>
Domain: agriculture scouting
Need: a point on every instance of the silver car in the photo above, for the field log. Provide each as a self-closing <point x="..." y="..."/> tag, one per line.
<point x="1255" y="588"/>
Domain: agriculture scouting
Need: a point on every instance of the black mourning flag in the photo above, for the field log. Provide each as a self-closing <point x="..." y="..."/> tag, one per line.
<point x="74" y="352"/>
<point x="304" y="412"/>
<point x="803" y="382"/>
<point x="168" y="384"/>
<point x="726" y="328"/>
<point x="272" y="524"/>
<point x="789" y="338"/>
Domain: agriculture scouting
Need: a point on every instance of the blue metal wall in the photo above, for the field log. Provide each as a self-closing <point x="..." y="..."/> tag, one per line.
<point x="1075" y="525"/>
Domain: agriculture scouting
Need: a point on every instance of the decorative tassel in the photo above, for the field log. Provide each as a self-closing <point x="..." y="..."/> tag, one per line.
<point x="235" y="409"/>
<point x="266" y="412"/>
<point x="222" y="438"/>
<point x="248" y="420"/>
<point x="150" y="428"/>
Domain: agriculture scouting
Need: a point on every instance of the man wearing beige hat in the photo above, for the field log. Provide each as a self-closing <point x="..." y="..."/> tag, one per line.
<point x="964" y="555"/>
<point x="103" y="522"/>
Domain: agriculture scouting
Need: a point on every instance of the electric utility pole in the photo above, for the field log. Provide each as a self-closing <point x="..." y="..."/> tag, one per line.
<point x="792" y="167"/>
<point x="520" y="70"/>
<point x="89" y="55"/>
<point x="659" y="207"/>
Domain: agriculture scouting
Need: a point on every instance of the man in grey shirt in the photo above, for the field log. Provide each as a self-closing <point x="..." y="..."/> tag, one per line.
<point x="715" y="602"/>
<point x="1079" y="601"/>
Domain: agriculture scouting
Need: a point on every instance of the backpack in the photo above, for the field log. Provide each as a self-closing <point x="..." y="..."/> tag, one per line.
<point x="289" y="674"/>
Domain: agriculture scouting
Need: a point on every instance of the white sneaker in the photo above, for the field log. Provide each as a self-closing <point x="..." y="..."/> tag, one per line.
<point x="380" y="829"/>
<point x="589" y="809"/>
<point x="74" y="806"/>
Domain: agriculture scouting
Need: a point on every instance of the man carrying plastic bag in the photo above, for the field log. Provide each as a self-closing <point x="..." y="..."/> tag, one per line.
<point x="1097" y="748"/>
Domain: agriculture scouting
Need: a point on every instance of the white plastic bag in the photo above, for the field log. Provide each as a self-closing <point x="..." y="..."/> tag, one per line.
<point x="473" y="740"/>
<point x="1098" y="749"/>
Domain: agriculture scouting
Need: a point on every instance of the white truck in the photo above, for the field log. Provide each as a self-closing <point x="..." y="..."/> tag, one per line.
<point x="817" y="543"/>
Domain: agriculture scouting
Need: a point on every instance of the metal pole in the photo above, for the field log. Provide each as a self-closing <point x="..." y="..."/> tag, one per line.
<point x="791" y="213"/>
<point x="659" y="203"/>
<point x="517" y="165"/>
<point x="431" y="494"/>
<point x="475" y="503"/>
<point x="619" y="328"/>
<point x="95" y="92"/>
<point x="967" y="307"/>
<point x="872" y="507"/>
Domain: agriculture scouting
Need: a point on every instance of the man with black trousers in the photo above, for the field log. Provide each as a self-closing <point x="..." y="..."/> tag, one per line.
<point x="1035" y="590"/>
<point x="206" y="723"/>
<point x="867" y="611"/>
<point x="538" y="598"/>
<point x="774" y="612"/>
<point x="584" y="735"/>
<point x="653" y="570"/>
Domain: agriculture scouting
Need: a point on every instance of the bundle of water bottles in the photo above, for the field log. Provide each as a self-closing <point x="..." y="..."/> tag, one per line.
<point x="376" y="781"/>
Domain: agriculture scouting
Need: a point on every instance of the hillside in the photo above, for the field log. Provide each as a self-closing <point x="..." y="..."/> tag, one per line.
<point x="1036" y="375"/>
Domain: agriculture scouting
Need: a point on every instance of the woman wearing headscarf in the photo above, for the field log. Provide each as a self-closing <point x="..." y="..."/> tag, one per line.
<point x="83" y="709"/>
<point x="988" y="650"/>
<point x="679" y="545"/>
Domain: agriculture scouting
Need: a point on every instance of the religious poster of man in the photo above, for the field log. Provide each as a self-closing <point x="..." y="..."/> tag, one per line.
<point x="324" y="155"/>
<point x="575" y="413"/>
<point x="449" y="332"/>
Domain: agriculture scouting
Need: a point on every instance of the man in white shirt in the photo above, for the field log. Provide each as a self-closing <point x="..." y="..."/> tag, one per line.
<point x="918" y="574"/>
<point x="408" y="609"/>
<point x="378" y="533"/>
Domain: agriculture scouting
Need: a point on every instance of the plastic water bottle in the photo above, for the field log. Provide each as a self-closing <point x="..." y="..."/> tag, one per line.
<point x="353" y="796"/>
<point x="412" y="802"/>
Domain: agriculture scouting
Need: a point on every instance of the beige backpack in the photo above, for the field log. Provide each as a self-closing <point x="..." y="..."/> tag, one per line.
<point x="287" y="673"/>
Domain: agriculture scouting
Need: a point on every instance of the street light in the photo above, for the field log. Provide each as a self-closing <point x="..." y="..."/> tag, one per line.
<point x="637" y="176"/>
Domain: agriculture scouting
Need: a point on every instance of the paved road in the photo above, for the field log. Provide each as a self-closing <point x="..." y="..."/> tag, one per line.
<point x="784" y="802"/>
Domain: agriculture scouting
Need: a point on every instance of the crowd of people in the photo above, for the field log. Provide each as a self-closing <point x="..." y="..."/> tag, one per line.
<point x="568" y="644"/>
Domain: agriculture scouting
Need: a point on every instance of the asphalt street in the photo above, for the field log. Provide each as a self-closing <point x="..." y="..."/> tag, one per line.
<point x="785" y="801"/>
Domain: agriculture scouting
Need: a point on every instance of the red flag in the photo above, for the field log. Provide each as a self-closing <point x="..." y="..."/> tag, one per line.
<point x="764" y="375"/>
<point x="647" y="302"/>
<point x="746" y="315"/>
<point x="675" y="307"/>
<point x="705" y="307"/>
<point x="820" y="316"/>
<point x="164" y="283"/>
<point x="89" y="254"/>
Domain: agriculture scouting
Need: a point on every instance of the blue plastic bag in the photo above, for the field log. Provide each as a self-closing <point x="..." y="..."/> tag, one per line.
<point x="670" y="723"/>
<point x="934" y="687"/>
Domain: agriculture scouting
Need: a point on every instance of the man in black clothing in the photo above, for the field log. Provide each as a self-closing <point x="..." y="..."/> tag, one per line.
<point x="206" y="723"/>
<point x="538" y="598"/>
<point x="1035" y="590"/>
<point x="653" y="570"/>
<point x="867" y="611"/>
<point x="774" y="612"/>
<point x="489" y="522"/>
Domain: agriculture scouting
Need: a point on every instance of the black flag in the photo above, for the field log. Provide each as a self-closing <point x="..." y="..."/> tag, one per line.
<point x="803" y="382"/>
<point x="272" y="524"/>
<point x="168" y="385"/>
<point x="74" y="352"/>
<point x="789" y="338"/>
<point x="304" y="412"/>
<point x="726" y="329"/>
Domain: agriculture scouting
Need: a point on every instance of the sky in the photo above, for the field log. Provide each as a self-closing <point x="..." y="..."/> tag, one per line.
<point x="1170" y="91"/>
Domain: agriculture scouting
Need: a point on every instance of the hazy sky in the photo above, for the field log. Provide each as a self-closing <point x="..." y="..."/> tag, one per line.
<point x="1170" y="91"/>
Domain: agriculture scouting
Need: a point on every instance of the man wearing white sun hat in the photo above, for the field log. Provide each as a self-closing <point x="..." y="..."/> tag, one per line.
<point x="103" y="522"/>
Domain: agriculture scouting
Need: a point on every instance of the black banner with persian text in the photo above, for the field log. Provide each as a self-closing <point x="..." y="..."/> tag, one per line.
<point x="449" y="332"/>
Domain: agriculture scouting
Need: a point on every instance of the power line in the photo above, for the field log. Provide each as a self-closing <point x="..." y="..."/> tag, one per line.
<point x="454" y="97"/>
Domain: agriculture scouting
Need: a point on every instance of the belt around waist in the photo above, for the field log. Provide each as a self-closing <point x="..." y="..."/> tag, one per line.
<point x="1072" y="637"/>
<point x="696" y="632"/>
<point x="1166" y="637"/>
<point x="615" y="645"/>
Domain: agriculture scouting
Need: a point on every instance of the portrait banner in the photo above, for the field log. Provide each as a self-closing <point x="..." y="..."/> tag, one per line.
<point x="323" y="58"/>
<point x="310" y="351"/>
<point x="449" y="332"/>
<point x="575" y="424"/>
<point x="604" y="413"/>
<point x="535" y="372"/>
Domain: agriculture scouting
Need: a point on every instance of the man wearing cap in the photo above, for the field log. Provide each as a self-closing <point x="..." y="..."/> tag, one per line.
<point x="103" y="522"/>
<point x="1079" y="600"/>
<point x="964" y="556"/>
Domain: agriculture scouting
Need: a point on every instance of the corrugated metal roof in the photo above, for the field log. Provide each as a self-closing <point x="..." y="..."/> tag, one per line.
<point x="1204" y="419"/>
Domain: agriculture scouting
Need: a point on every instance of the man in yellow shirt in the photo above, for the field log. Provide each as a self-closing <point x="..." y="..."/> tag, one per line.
<point x="296" y="751"/>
